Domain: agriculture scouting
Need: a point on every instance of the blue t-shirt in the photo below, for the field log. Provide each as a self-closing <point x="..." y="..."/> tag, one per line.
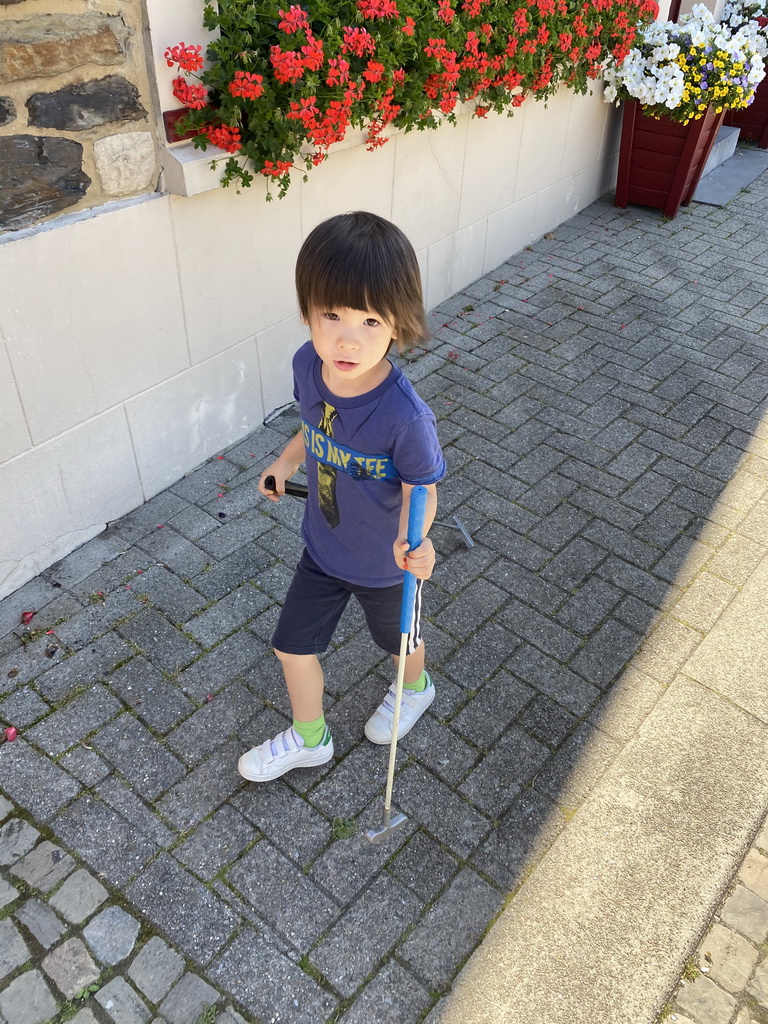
<point x="377" y="441"/>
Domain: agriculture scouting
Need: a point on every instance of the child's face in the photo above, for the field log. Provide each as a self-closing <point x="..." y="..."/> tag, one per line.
<point x="353" y="344"/>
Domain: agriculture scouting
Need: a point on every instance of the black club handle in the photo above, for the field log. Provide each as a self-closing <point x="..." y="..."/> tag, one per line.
<point x="296" y="490"/>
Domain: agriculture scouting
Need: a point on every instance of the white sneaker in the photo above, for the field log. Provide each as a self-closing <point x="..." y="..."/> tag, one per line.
<point x="378" y="728"/>
<point x="277" y="756"/>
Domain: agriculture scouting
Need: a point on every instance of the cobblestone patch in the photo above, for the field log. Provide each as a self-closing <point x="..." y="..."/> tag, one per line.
<point x="726" y="979"/>
<point x="598" y="409"/>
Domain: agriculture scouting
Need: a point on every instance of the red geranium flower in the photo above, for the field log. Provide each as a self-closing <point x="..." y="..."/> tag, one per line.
<point x="247" y="85"/>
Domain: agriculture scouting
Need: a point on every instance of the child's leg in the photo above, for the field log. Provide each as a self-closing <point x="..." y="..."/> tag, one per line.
<point x="414" y="665"/>
<point x="304" y="679"/>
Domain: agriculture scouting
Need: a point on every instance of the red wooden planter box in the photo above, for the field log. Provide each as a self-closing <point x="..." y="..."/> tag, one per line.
<point x="660" y="162"/>
<point x="753" y="120"/>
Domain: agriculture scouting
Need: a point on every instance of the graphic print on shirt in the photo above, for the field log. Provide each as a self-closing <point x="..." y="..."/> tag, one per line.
<point x="326" y="475"/>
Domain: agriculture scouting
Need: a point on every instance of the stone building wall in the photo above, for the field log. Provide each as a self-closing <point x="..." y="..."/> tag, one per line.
<point x="76" y="121"/>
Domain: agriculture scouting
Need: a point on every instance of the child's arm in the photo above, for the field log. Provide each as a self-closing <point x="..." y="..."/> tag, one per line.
<point x="420" y="561"/>
<point x="284" y="466"/>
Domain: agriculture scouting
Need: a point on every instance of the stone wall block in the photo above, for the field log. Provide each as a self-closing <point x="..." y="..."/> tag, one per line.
<point x="7" y="109"/>
<point x="126" y="163"/>
<point x="51" y="44"/>
<point x="38" y="176"/>
<point x="78" y="107"/>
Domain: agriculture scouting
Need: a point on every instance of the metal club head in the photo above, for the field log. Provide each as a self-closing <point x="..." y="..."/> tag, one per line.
<point x="392" y="823"/>
<point x="458" y="525"/>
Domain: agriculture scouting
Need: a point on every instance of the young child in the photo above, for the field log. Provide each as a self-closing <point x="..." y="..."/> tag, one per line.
<point x="367" y="439"/>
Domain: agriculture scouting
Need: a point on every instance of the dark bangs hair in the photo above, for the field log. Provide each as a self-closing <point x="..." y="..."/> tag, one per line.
<point x="361" y="261"/>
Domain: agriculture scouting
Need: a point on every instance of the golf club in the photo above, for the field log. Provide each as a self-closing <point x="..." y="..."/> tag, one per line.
<point x="416" y="512"/>
<point x="297" y="490"/>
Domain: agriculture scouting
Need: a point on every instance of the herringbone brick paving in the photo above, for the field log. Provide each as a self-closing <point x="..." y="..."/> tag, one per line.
<point x="599" y="397"/>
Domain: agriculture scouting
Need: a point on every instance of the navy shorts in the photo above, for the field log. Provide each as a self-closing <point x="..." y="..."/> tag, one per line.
<point x="315" y="603"/>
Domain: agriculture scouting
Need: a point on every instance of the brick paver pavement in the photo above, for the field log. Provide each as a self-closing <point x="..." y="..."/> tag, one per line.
<point x="599" y="397"/>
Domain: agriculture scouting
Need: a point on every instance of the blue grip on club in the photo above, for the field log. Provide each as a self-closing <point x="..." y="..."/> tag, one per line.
<point x="416" y="513"/>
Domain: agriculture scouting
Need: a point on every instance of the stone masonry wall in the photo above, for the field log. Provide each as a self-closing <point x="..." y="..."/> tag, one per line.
<point x="76" y="127"/>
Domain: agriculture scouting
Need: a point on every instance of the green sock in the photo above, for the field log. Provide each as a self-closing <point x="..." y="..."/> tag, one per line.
<point x="420" y="685"/>
<point x="311" y="732"/>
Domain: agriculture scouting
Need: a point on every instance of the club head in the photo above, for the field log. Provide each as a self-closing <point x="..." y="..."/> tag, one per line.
<point x="378" y="835"/>
<point x="464" y="532"/>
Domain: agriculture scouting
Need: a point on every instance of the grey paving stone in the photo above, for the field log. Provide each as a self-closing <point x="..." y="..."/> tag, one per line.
<point x="156" y="969"/>
<point x="169" y="649"/>
<point x="229" y="711"/>
<point x="227" y="615"/>
<point x="174" y="551"/>
<point x="353" y="783"/>
<point x="285" y="818"/>
<point x="24" y="664"/>
<point x="451" y="929"/>
<point x="27" y="1000"/>
<point x="243" y="566"/>
<point x="111" y="935"/>
<point x="606" y="653"/>
<point x="41" y="922"/>
<point x="5" y="807"/>
<point x="747" y="914"/>
<point x="135" y="811"/>
<point x="13" y="949"/>
<point x="104" y="839"/>
<point x="450" y="819"/>
<point x="282" y="895"/>
<point x="571" y="774"/>
<point x="37" y="593"/>
<point x="269" y="984"/>
<point x="548" y="677"/>
<point x="730" y="957"/>
<point x="480" y="656"/>
<point x="349" y="865"/>
<point x="64" y="728"/>
<point x="204" y="789"/>
<point x="44" y="867"/>
<point x="165" y="591"/>
<point x="366" y="933"/>
<point x="96" y="661"/>
<point x="524" y="835"/>
<point x="490" y="711"/>
<point x="705" y="1002"/>
<point x="17" y="837"/>
<point x="7" y="893"/>
<point x="236" y="532"/>
<point x="511" y="764"/>
<point x="157" y="702"/>
<point x="195" y="920"/>
<point x="393" y="996"/>
<point x="218" y="842"/>
<point x="758" y="986"/>
<point x="96" y="619"/>
<point x="539" y="630"/>
<point x="547" y="721"/>
<point x="440" y="749"/>
<point x="70" y="967"/>
<point x="424" y="867"/>
<point x="188" y="1000"/>
<point x="138" y="756"/>
<point x="122" y="1003"/>
<point x="23" y="708"/>
<point x="230" y="660"/>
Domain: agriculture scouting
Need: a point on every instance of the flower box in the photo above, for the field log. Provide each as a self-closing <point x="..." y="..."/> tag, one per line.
<point x="661" y="161"/>
<point x="753" y="120"/>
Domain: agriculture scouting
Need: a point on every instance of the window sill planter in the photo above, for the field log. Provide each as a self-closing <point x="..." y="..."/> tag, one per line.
<point x="753" y="121"/>
<point x="661" y="161"/>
